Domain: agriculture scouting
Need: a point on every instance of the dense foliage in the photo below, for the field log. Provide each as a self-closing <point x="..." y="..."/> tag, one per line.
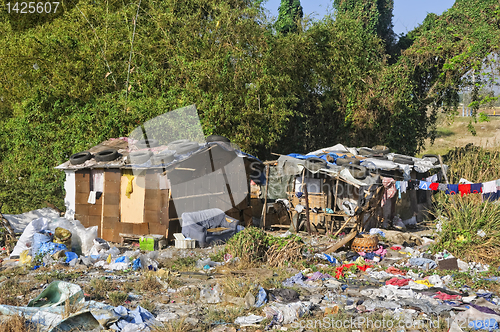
<point x="96" y="69"/>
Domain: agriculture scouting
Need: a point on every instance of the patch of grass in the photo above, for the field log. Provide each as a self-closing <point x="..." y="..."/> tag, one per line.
<point x="253" y="246"/>
<point x="14" y="292"/>
<point x="213" y="314"/>
<point x="462" y="218"/>
<point x="97" y="288"/>
<point x="58" y="275"/>
<point x="117" y="298"/>
<point x="147" y="304"/>
<point x="17" y="323"/>
<point x="444" y="132"/>
<point x="239" y="287"/>
<point x="184" y="264"/>
<point x="473" y="163"/>
<point x="148" y="283"/>
<point x="178" y="326"/>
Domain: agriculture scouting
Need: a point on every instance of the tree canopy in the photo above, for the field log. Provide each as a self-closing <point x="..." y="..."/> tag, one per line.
<point x="99" y="68"/>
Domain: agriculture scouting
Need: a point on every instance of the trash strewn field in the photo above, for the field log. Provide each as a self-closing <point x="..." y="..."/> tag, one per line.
<point x="257" y="281"/>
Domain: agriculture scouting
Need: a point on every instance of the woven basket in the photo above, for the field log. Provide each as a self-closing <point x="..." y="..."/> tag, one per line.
<point x="364" y="242"/>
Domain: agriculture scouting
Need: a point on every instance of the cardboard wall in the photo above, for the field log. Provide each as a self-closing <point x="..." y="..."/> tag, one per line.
<point x="132" y="209"/>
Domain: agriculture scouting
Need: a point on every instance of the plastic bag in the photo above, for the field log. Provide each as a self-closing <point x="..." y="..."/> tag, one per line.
<point x="26" y="239"/>
<point x="62" y="236"/>
<point x="25" y="258"/>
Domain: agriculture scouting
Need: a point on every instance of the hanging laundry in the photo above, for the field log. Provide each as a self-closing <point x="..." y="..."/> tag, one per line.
<point x="452" y="189"/>
<point x="424" y="185"/>
<point x="390" y="189"/>
<point x="398" y="188"/>
<point x="433" y="178"/>
<point x="404" y="186"/>
<point x="476" y="188"/>
<point x="490" y="192"/>
<point x="464" y="189"/>
<point x="442" y="187"/>
<point x="434" y="186"/>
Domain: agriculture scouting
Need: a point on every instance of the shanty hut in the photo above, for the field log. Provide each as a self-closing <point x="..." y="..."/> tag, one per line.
<point x="139" y="187"/>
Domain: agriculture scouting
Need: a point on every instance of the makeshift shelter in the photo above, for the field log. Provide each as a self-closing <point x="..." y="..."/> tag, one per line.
<point x="348" y="187"/>
<point x="147" y="195"/>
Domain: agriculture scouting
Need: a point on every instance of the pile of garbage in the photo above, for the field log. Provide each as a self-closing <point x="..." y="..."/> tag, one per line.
<point x="400" y="279"/>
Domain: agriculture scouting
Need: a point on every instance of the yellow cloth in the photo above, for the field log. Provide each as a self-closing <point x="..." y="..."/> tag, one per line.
<point x="109" y="259"/>
<point x="129" y="189"/>
<point x="424" y="282"/>
<point x="360" y="261"/>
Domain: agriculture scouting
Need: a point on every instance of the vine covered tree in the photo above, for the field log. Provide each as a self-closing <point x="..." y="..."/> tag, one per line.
<point x="290" y="12"/>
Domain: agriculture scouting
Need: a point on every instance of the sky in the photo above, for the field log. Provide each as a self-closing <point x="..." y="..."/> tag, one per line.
<point x="407" y="13"/>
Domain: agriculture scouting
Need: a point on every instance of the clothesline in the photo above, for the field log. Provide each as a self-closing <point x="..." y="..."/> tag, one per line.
<point x="490" y="190"/>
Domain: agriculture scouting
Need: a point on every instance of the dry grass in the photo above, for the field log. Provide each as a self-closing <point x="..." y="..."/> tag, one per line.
<point x="178" y="326"/>
<point x="16" y="323"/>
<point x="14" y="292"/>
<point x="278" y="256"/>
<point x="98" y="288"/>
<point x="148" y="283"/>
<point x="117" y="298"/>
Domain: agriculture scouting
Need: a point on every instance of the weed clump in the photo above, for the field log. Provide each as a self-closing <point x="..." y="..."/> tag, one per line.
<point x="254" y="245"/>
<point x="470" y="229"/>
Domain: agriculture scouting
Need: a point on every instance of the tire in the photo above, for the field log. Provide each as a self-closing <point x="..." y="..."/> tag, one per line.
<point x="146" y="143"/>
<point x="315" y="164"/>
<point x="186" y="147"/>
<point x="163" y="158"/>
<point x="217" y="138"/>
<point x="347" y="161"/>
<point x="398" y="159"/>
<point x="174" y="144"/>
<point x="357" y="171"/>
<point x="378" y="156"/>
<point x="365" y="151"/>
<point x="106" y="155"/>
<point x="432" y="156"/>
<point x="380" y="149"/>
<point x="139" y="157"/>
<point x="80" y="158"/>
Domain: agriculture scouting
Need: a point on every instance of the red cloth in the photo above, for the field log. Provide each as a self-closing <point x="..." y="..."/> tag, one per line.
<point x="396" y="247"/>
<point x="394" y="270"/>
<point x="434" y="186"/>
<point x="397" y="282"/>
<point x="464" y="189"/>
<point x="446" y="297"/>
<point x="364" y="267"/>
<point x="340" y="270"/>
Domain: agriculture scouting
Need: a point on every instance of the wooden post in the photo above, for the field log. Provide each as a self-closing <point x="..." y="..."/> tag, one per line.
<point x="264" y="209"/>
<point x="308" y="225"/>
<point x="334" y="203"/>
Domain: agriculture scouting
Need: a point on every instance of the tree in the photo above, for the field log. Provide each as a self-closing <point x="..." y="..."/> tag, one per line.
<point x="290" y="12"/>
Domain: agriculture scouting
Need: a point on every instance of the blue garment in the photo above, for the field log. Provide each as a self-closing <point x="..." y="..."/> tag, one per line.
<point x="422" y="262"/>
<point x="398" y="187"/>
<point x="296" y="279"/>
<point x="330" y="258"/>
<point x="424" y="185"/>
<point x="491" y="196"/>
<point x="452" y="189"/>
<point x="133" y="320"/>
<point x="261" y="298"/>
<point x="476" y="188"/>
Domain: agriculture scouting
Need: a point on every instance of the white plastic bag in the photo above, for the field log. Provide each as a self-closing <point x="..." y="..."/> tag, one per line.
<point x="26" y="239"/>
